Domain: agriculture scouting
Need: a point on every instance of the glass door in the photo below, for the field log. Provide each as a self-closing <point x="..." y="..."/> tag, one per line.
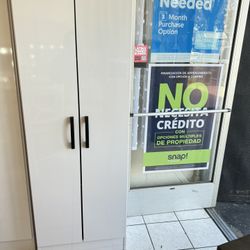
<point x="183" y="57"/>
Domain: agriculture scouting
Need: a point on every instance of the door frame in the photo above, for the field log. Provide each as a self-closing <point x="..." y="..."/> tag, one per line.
<point x="203" y="195"/>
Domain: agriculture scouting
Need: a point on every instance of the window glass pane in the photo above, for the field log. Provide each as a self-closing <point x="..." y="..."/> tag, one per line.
<point x="182" y="56"/>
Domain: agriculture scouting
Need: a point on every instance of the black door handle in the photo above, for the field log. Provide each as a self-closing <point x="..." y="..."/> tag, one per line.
<point x="86" y="121"/>
<point x="72" y="132"/>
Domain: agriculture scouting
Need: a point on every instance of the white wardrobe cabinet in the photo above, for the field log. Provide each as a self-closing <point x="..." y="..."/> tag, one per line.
<point x="75" y="61"/>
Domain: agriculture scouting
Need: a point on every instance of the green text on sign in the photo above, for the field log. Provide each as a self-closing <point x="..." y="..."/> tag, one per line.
<point x="176" y="157"/>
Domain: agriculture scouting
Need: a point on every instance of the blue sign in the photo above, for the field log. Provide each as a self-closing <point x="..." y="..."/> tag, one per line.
<point x="182" y="28"/>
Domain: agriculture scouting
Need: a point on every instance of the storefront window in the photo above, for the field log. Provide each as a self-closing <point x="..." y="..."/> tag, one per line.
<point x="182" y="55"/>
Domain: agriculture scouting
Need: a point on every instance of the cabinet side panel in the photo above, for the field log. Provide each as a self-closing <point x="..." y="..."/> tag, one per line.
<point x="15" y="215"/>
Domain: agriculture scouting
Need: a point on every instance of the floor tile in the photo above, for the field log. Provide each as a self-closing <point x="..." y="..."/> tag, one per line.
<point x="192" y="214"/>
<point x="207" y="248"/>
<point x="18" y="245"/>
<point x="164" y="217"/>
<point x="138" y="238"/>
<point x="203" y="233"/>
<point x="135" y="220"/>
<point x="168" y="236"/>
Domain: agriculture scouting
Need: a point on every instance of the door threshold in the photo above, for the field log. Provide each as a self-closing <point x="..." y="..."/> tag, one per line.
<point x="222" y="225"/>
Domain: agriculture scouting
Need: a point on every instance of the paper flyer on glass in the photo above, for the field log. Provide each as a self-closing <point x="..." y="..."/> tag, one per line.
<point x="180" y="142"/>
<point x="187" y="30"/>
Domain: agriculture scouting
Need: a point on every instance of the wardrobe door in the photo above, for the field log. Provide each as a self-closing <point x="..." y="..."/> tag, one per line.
<point x="104" y="40"/>
<point x="45" y="43"/>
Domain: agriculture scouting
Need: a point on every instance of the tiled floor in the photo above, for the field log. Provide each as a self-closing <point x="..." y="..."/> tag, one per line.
<point x="192" y="229"/>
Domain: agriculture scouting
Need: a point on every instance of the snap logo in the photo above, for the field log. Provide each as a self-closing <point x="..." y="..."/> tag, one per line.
<point x="179" y="157"/>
